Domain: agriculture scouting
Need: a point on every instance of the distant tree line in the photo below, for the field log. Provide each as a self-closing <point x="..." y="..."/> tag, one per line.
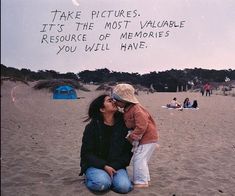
<point x="28" y="75"/>
<point x="161" y="81"/>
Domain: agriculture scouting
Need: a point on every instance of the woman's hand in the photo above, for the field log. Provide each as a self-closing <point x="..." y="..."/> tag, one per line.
<point x="110" y="170"/>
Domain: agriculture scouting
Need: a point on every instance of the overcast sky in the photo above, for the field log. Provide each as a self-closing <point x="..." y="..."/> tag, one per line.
<point x="205" y="39"/>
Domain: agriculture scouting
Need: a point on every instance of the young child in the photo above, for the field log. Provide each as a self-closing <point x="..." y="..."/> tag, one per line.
<point x="143" y="134"/>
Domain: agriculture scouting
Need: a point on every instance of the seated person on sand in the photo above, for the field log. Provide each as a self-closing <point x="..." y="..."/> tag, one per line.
<point x="174" y="104"/>
<point x="188" y="104"/>
<point x="105" y="152"/>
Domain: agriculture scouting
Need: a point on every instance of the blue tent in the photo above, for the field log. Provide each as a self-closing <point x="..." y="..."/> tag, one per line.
<point x="64" y="92"/>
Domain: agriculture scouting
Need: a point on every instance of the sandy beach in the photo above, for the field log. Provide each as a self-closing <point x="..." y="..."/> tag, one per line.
<point x="41" y="140"/>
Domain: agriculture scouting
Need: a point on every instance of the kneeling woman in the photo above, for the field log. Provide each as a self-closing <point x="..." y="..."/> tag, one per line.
<point x="105" y="153"/>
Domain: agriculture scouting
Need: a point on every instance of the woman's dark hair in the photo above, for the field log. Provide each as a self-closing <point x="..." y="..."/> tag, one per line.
<point x="94" y="108"/>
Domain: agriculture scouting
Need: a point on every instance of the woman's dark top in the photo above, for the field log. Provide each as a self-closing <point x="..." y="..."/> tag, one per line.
<point x="105" y="145"/>
<point x="107" y="139"/>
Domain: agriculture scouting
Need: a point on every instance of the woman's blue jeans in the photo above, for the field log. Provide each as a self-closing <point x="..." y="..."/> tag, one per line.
<point x="99" y="180"/>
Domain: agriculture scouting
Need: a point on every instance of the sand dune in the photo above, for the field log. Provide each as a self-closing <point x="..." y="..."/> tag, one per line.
<point x="41" y="140"/>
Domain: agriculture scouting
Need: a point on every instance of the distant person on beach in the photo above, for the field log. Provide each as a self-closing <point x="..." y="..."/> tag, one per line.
<point x="207" y="88"/>
<point x="143" y="133"/>
<point x="174" y="104"/>
<point x="188" y="104"/>
<point x="202" y="90"/>
<point x="105" y="152"/>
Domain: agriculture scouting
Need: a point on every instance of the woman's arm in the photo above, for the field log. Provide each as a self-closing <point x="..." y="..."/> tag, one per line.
<point x="124" y="158"/>
<point x="89" y="149"/>
<point x="121" y="149"/>
<point x="141" y="124"/>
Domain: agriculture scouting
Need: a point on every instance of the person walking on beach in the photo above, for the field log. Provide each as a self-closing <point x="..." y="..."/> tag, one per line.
<point x="202" y="90"/>
<point x="143" y="132"/>
<point x="105" y="152"/>
<point x="207" y="88"/>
